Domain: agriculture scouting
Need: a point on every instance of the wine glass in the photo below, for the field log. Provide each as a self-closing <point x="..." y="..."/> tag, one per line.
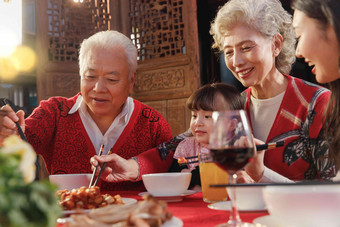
<point x="232" y="147"/>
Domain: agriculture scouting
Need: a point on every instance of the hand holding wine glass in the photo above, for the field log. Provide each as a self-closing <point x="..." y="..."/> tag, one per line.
<point x="232" y="147"/>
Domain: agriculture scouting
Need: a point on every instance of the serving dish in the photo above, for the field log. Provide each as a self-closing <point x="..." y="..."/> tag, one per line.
<point x="226" y="205"/>
<point x="127" y="202"/>
<point x="176" y="198"/>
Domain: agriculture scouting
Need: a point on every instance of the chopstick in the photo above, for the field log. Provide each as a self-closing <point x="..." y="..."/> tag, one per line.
<point x="182" y="164"/>
<point x="268" y="146"/>
<point x="277" y="184"/>
<point x="95" y="170"/>
<point x="260" y="147"/>
<point x="102" y="169"/>
<point x="191" y="157"/>
<point x="21" y="133"/>
<point x="23" y="137"/>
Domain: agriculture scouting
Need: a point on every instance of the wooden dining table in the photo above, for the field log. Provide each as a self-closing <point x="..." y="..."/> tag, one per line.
<point x="193" y="211"/>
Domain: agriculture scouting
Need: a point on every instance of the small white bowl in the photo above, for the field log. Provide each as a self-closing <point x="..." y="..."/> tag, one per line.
<point x="71" y="181"/>
<point x="166" y="184"/>
<point x="249" y="198"/>
<point x="304" y="206"/>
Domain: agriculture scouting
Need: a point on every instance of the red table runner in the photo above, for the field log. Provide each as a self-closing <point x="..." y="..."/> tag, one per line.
<point x="193" y="211"/>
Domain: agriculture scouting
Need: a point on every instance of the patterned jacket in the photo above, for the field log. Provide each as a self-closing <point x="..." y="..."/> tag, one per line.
<point x="299" y="123"/>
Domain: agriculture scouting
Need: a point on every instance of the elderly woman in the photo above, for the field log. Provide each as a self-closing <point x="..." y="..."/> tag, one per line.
<point x="317" y="26"/>
<point x="258" y="40"/>
<point x="67" y="132"/>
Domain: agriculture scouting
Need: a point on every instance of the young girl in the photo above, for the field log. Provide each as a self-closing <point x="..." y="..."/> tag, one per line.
<point x="202" y="103"/>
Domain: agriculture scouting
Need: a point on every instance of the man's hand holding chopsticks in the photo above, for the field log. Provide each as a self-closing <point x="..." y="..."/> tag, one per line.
<point x="8" y="126"/>
<point x="117" y="168"/>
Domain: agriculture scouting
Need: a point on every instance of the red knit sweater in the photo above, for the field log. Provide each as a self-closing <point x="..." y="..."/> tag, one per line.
<point x="66" y="147"/>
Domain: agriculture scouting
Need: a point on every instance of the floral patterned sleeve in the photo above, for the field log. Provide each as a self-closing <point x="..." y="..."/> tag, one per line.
<point x="165" y="148"/>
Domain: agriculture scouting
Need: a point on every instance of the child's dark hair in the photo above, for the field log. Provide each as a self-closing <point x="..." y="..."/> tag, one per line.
<point x="205" y="98"/>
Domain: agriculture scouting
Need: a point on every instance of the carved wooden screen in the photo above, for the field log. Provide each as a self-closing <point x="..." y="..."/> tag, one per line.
<point x="62" y="25"/>
<point x="165" y="33"/>
<point x="158" y="28"/>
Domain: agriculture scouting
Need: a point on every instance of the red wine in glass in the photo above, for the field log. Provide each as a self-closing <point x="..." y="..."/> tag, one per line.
<point x="232" y="147"/>
<point x="232" y="159"/>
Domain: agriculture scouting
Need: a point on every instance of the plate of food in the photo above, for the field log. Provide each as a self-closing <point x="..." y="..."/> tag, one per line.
<point x="176" y="198"/>
<point x="84" y="200"/>
<point x="149" y="212"/>
<point x="126" y="202"/>
<point x="174" y="221"/>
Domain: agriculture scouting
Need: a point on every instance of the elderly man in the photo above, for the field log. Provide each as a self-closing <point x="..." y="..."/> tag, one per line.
<point x="67" y="132"/>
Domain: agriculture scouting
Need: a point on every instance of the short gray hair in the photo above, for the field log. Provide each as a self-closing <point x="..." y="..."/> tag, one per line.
<point x="266" y="16"/>
<point x="108" y="40"/>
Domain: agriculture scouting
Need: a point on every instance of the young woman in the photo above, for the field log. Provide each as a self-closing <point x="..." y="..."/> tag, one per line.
<point x="317" y="27"/>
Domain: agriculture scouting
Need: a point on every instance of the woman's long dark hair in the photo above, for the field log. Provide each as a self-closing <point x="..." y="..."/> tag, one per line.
<point x="327" y="12"/>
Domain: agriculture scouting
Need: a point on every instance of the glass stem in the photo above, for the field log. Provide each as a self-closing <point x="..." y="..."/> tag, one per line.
<point x="234" y="218"/>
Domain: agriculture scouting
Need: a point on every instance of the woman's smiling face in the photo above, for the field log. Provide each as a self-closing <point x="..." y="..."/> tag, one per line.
<point x="248" y="54"/>
<point x="319" y="48"/>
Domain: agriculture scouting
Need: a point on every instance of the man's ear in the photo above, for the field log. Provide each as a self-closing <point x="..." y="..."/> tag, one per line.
<point x="132" y="80"/>
<point x="277" y="44"/>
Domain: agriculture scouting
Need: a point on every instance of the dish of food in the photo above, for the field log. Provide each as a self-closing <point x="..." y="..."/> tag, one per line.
<point x="85" y="198"/>
<point x="150" y="212"/>
<point x="174" y="221"/>
<point x="176" y="198"/>
<point x="126" y="202"/>
<point x="182" y="160"/>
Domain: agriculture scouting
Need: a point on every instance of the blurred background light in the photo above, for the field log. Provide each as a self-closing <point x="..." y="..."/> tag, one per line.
<point x="10" y="26"/>
<point x="24" y="59"/>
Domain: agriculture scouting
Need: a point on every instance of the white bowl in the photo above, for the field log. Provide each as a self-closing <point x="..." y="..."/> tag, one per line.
<point x="249" y="198"/>
<point x="302" y="206"/>
<point x="166" y="184"/>
<point x="71" y="181"/>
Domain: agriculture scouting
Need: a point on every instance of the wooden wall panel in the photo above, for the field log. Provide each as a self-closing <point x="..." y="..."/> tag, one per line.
<point x="178" y="116"/>
<point x="165" y="33"/>
<point x="176" y="113"/>
<point x="163" y="83"/>
<point x="63" y="84"/>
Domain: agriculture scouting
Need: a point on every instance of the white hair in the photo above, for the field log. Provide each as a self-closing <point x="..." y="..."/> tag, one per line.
<point x="266" y="16"/>
<point x="108" y="40"/>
